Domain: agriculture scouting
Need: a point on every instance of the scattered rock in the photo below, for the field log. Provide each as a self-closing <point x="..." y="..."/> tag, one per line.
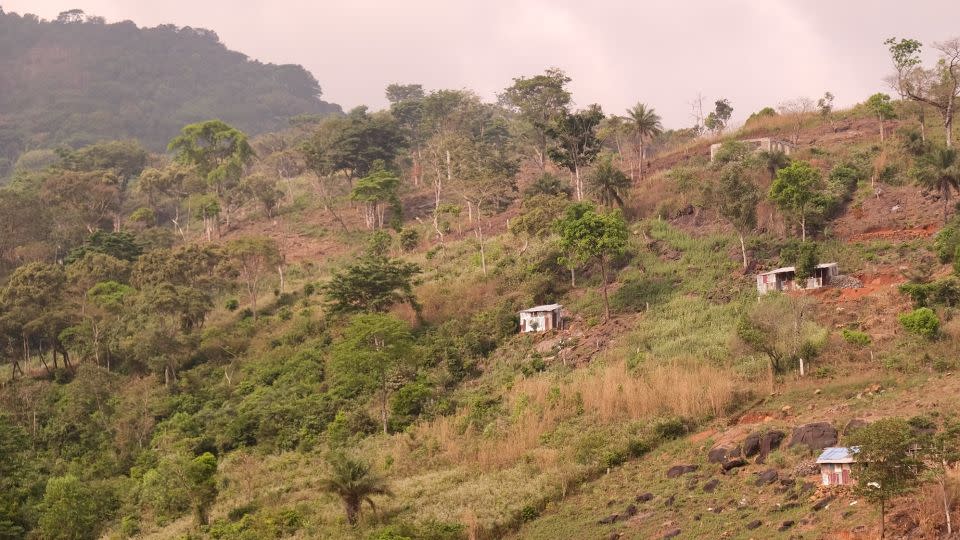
<point x="815" y="436"/>
<point x="678" y="470"/>
<point x="823" y="503"/>
<point x="612" y="518"/>
<point x="853" y="425"/>
<point x="630" y="511"/>
<point x="614" y="536"/>
<point x="770" y="441"/>
<point x="845" y="282"/>
<point x="692" y="483"/>
<point x="716" y="509"/>
<point x="671" y="534"/>
<point x="644" y="497"/>
<point x="710" y="486"/>
<point x="734" y="463"/>
<point x="751" y="445"/>
<point x="786" y="525"/>
<point x="754" y="524"/>
<point x="785" y="410"/>
<point x="817" y="391"/>
<point x="670" y="500"/>
<point x="768" y="476"/>
<point x="718" y="454"/>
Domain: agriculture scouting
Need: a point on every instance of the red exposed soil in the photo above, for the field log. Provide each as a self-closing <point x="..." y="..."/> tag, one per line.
<point x="900" y="214"/>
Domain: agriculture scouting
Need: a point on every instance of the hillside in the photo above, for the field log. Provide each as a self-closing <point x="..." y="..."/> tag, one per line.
<point x="77" y="80"/>
<point x="313" y="332"/>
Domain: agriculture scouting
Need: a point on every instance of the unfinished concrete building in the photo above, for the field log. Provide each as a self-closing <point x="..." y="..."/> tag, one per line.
<point x="761" y="144"/>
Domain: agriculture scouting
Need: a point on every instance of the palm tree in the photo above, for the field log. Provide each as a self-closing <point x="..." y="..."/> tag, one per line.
<point x="355" y="483"/>
<point x="608" y="182"/>
<point x="645" y="123"/>
<point x="773" y="161"/>
<point x="942" y="172"/>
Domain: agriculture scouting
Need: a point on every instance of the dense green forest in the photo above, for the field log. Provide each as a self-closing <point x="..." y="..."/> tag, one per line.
<point x="312" y="332"/>
<point x="77" y="80"/>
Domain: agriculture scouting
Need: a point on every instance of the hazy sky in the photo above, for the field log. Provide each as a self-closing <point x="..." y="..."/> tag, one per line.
<point x="755" y="53"/>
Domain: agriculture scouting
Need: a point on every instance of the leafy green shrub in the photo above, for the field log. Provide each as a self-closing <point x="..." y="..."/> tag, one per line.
<point x="943" y="292"/>
<point x="943" y="365"/>
<point x="232" y="304"/>
<point x="823" y="372"/>
<point x="805" y="256"/>
<point x="637" y="448"/>
<point x="856" y="337"/>
<point x="612" y="458"/>
<point x="673" y="428"/>
<point x="922" y="322"/>
<point x="947" y="241"/>
<point x="409" y="239"/>
<point x="309" y="289"/>
<point x="535" y="365"/>
<point x="409" y="402"/>
<point x="529" y="513"/>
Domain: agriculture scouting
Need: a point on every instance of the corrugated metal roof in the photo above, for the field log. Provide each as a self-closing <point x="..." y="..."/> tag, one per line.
<point x="545" y="307"/>
<point x="794" y="269"/>
<point x="840" y="454"/>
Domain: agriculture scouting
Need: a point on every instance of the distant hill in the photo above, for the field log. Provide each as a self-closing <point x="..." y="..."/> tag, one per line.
<point x="77" y="80"/>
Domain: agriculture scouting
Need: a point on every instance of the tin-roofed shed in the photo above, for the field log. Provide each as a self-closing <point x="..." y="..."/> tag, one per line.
<point x="835" y="465"/>
<point x="541" y="318"/>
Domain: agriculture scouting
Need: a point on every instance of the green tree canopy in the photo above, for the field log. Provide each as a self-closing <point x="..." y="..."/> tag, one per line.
<point x="794" y="190"/>
<point x="590" y="236"/>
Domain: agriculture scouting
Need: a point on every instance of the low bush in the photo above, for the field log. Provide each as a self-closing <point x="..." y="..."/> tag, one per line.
<point x="856" y="337"/>
<point x="922" y="322"/>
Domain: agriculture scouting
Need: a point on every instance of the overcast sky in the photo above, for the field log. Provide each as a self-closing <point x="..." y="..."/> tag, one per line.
<point x="755" y="53"/>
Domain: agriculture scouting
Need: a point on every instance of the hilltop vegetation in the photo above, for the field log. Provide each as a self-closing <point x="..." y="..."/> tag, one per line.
<point x="312" y="332"/>
<point x="77" y="80"/>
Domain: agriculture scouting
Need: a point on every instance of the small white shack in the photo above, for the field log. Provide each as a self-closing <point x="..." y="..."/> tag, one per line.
<point x="835" y="466"/>
<point x="541" y="318"/>
<point x="785" y="279"/>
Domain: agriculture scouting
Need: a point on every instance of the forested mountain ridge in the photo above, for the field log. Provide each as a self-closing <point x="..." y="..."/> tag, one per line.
<point x="77" y="80"/>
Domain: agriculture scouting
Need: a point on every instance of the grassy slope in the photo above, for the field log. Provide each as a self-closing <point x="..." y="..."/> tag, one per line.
<point x="542" y="456"/>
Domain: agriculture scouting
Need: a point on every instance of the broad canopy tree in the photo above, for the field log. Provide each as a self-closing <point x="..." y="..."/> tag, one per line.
<point x="375" y="351"/>
<point x="576" y="144"/>
<point x="795" y="189"/>
<point x="538" y="101"/>
<point x="736" y="198"/>
<point x="590" y="236"/>
<point x="938" y="86"/>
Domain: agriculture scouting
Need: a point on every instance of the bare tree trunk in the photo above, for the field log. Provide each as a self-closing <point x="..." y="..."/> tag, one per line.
<point x="573" y="278"/>
<point x="946" y="504"/>
<point x="606" y="300"/>
<point x="483" y="254"/>
<point x="743" y="251"/>
<point x="280" y="271"/>
<point x="880" y="118"/>
<point x="579" y="185"/>
<point x="803" y="227"/>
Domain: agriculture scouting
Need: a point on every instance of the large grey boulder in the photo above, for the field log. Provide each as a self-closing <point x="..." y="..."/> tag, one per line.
<point x="815" y="436"/>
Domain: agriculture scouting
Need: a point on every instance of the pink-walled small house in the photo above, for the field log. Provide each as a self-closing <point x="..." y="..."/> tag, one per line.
<point x="835" y="466"/>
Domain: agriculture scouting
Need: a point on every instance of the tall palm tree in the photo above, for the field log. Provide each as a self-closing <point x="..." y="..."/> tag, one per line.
<point x="942" y="173"/>
<point x="608" y="182"/>
<point x="645" y="124"/>
<point x="355" y="483"/>
<point x="773" y="161"/>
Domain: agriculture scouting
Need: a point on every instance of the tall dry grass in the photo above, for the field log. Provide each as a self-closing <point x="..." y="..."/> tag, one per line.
<point x="602" y="396"/>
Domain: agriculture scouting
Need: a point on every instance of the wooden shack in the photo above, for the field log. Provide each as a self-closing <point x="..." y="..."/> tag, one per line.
<point x="835" y="466"/>
<point x="541" y="318"/>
